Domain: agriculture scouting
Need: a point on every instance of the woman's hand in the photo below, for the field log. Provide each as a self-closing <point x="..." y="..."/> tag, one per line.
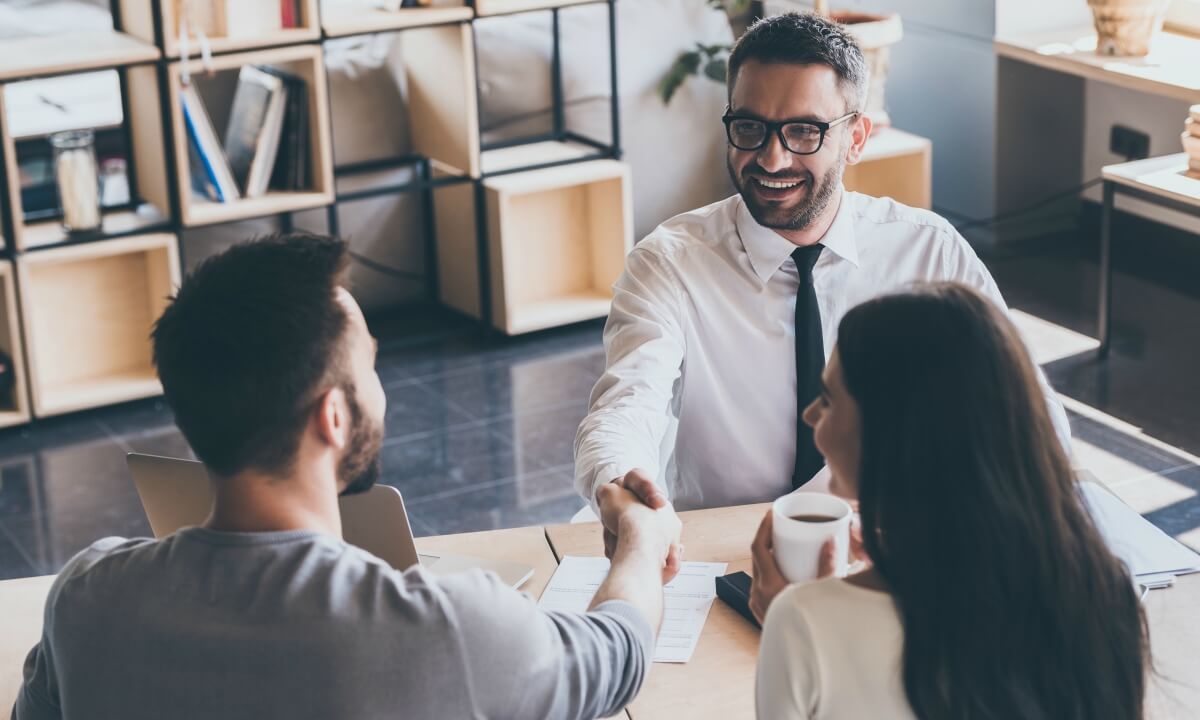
<point x="768" y="580"/>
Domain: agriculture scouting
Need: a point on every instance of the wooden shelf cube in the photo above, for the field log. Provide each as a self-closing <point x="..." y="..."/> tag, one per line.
<point x="304" y="61"/>
<point x="146" y="130"/>
<point x="894" y="164"/>
<point x="13" y="411"/>
<point x="443" y="104"/>
<point x="137" y="17"/>
<point x="505" y="7"/>
<point x="340" y="19"/>
<point x="558" y="239"/>
<point x="88" y="311"/>
<point x="32" y="56"/>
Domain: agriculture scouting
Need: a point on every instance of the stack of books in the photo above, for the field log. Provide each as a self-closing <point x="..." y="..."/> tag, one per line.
<point x="1191" y="140"/>
<point x="265" y="146"/>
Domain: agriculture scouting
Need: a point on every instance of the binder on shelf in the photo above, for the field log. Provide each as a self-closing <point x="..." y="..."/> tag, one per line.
<point x="289" y="12"/>
<point x="292" y="169"/>
<point x="255" y="124"/>
<point x="208" y="151"/>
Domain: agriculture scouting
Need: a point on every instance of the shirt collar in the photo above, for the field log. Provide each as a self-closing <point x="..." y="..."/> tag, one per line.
<point x="768" y="250"/>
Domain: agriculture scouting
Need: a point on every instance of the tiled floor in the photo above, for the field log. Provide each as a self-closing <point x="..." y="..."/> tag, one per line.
<point x="480" y="431"/>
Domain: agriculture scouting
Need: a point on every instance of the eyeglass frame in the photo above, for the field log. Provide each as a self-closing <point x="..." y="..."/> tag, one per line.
<point x="776" y="128"/>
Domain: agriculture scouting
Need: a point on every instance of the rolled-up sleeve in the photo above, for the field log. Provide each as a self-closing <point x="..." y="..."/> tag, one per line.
<point x="629" y="409"/>
<point x="524" y="662"/>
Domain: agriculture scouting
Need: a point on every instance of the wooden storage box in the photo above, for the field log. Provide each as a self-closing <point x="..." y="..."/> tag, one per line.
<point x="558" y="238"/>
<point x="214" y="18"/>
<point x="895" y="164"/>
<point x="13" y="411"/>
<point x="305" y="61"/>
<point x="88" y="311"/>
<point x="146" y="157"/>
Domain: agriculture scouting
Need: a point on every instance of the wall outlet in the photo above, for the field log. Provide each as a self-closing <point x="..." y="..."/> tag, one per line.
<point x="1129" y="143"/>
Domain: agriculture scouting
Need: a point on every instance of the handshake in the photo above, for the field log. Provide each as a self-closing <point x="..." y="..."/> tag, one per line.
<point x="638" y="519"/>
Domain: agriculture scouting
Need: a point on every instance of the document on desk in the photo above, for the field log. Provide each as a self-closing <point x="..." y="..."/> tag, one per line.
<point x="686" y="600"/>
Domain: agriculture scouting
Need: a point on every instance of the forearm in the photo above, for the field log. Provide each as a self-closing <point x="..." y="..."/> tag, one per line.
<point x="636" y="575"/>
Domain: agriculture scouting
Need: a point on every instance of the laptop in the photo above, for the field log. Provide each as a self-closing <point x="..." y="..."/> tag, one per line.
<point x="178" y="493"/>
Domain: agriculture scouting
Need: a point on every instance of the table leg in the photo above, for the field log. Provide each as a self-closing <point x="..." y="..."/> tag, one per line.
<point x="1104" y="319"/>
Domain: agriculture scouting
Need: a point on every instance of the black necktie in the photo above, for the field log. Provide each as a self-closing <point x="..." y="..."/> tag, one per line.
<point x="810" y="361"/>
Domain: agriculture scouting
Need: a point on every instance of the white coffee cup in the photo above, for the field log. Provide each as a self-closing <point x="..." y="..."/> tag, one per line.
<point x="797" y="543"/>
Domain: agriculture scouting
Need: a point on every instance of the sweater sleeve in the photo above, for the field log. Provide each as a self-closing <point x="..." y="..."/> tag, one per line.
<point x="524" y="662"/>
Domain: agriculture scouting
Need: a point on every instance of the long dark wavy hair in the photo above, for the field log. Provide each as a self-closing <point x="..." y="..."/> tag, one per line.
<point x="1011" y="603"/>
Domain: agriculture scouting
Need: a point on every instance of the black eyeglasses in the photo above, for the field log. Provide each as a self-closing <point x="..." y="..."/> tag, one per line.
<point x="802" y="137"/>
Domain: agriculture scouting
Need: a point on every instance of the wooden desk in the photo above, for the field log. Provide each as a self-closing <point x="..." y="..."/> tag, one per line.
<point x="718" y="683"/>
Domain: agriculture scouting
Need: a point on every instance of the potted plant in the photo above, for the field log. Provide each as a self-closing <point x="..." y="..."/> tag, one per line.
<point x="1125" y="27"/>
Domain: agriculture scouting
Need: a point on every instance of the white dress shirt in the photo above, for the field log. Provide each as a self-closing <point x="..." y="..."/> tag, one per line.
<point x="700" y="384"/>
<point x="831" y="650"/>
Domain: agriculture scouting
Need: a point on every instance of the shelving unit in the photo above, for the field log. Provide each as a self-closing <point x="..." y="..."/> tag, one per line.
<point x="304" y="61"/>
<point x="88" y="311"/>
<point x="505" y="241"/>
<point x="558" y="238"/>
<point x="137" y="16"/>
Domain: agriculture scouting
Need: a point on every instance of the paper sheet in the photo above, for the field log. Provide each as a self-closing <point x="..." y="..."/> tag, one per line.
<point x="1149" y="553"/>
<point x="686" y="600"/>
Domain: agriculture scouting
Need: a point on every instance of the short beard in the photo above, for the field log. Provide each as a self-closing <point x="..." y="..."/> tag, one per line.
<point x="360" y="467"/>
<point x="819" y="195"/>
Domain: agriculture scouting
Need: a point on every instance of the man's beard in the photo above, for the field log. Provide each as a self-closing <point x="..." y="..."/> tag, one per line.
<point x="359" y="467"/>
<point x="799" y="216"/>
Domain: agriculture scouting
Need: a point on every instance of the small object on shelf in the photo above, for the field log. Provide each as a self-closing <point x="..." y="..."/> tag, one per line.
<point x="1126" y="27"/>
<point x="203" y="140"/>
<point x="77" y="178"/>
<point x="1191" y="139"/>
<point x="114" y="182"/>
<point x="289" y="12"/>
<point x="255" y="125"/>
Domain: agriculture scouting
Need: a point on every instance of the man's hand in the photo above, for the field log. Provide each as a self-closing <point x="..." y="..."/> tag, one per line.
<point x="640" y="484"/>
<point x="627" y="518"/>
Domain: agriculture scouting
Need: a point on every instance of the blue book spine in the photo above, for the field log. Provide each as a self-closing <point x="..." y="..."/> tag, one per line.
<point x="194" y="137"/>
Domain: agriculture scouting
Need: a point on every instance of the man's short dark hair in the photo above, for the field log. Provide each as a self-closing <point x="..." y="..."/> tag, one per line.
<point x="251" y="338"/>
<point x="805" y="39"/>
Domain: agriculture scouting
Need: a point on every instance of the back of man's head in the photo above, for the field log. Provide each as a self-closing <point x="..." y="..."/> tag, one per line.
<point x="804" y="39"/>
<point x="252" y="338"/>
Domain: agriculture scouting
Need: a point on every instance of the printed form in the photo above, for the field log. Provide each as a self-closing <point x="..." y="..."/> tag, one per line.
<point x="686" y="600"/>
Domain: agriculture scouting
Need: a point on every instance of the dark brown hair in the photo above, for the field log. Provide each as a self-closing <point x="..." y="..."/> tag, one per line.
<point x="251" y="338"/>
<point x="1012" y="605"/>
<point x="804" y="39"/>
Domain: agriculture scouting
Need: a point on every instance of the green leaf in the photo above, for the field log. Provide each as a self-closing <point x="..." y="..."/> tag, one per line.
<point x="686" y="64"/>
<point x="716" y="70"/>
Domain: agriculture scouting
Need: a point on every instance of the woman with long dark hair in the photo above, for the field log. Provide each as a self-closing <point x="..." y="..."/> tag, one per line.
<point x="990" y="593"/>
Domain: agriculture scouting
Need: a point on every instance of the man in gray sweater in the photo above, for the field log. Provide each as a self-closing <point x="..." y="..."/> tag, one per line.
<point x="265" y="611"/>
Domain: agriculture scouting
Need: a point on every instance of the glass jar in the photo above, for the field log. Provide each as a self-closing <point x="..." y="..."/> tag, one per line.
<point x="78" y="179"/>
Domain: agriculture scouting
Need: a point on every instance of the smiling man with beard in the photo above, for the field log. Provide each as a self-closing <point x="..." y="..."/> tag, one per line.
<point x="722" y="322"/>
<point x="265" y="611"/>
